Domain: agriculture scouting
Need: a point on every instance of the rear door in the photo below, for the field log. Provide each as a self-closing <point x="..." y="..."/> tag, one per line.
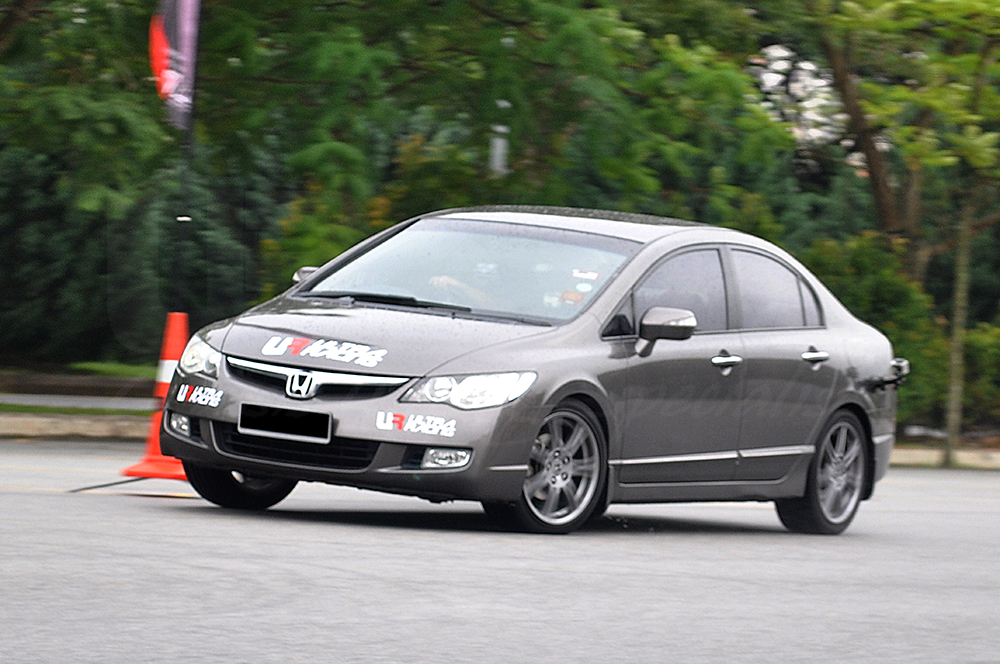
<point x="789" y="376"/>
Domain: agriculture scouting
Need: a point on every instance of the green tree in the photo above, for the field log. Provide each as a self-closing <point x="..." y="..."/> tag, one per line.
<point x="54" y="261"/>
<point x="714" y="153"/>
<point x="981" y="398"/>
<point x="918" y="81"/>
<point x="91" y="193"/>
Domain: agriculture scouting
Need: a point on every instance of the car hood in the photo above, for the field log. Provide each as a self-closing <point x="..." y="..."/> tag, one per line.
<point x="361" y="339"/>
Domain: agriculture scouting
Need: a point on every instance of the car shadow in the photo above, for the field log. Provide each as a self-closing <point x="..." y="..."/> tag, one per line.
<point x="476" y="521"/>
<point x="620" y="523"/>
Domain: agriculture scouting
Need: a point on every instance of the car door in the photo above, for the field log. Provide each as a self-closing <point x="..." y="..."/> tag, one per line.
<point x="683" y="411"/>
<point x="788" y="377"/>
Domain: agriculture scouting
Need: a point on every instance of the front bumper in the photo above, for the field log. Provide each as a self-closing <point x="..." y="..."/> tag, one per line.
<point x="376" y="443"/>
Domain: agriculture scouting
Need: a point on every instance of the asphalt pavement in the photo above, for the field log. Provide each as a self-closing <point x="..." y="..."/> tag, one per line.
<point x="100" y="569"/>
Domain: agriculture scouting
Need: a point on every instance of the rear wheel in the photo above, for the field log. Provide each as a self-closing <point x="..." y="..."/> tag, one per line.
<point x="836" y="480"/>
<point x="229" y="488"/>
<point x="566" y="474"/>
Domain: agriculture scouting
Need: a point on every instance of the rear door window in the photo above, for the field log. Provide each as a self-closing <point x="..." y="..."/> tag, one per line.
<point x="773" y="295"/>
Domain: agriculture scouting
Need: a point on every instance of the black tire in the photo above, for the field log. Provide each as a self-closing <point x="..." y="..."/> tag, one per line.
<point x="501" y="514"/>
<point x="566" y="476"/>
<point x="836" y="482"/>
<point x="236" y="491"/>
<point x="602" y="504"/>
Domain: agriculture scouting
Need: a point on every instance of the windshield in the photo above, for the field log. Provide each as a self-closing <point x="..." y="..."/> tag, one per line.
<point x="513" y="270"/>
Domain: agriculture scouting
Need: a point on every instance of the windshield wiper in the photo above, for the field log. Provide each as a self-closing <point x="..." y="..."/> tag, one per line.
<point x="410" y="301"/>
<point x="384" y="298"/>
<point x="514" y="318"/>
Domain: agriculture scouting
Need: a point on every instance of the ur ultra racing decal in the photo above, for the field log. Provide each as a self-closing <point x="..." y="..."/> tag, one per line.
<point x="336" y="351"/>
<point x="199" y="395"/>
<point x="429" y="425"/>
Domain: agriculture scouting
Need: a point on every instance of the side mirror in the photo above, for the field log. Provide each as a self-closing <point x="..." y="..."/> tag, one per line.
<point x="667" y="323"/>
<point x="664" y="323"/>
<point x="302" y="273"/>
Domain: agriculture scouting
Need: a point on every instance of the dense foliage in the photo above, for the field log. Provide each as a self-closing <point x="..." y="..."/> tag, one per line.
<point x="318" y="123"/>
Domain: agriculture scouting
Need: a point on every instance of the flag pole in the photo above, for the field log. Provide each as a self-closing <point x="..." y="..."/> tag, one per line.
<point x="173" y="51"/>
<point x="190" y="42"/>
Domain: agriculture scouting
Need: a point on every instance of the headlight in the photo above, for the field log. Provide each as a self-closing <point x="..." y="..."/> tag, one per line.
<point x="199" y="357"/>
<point x="470" y="392"/>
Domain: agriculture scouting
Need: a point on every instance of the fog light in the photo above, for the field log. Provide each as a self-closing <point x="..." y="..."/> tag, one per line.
<point x="180" y="423"/>
<point x="445" y="457"/>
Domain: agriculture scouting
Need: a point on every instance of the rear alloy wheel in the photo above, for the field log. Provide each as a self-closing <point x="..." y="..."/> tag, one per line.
<point x="229" y="488"/>
<point x="836" y="482"/>
<point x="567" y="470"/>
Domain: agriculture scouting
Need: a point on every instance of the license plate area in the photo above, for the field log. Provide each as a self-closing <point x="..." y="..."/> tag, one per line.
<point x="300" y="425"/>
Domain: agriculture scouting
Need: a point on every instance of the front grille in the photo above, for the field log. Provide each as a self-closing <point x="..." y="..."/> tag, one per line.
<point x="338" y="454"/>
<point x="269" y="381"/>
<point x="276" y="384"/>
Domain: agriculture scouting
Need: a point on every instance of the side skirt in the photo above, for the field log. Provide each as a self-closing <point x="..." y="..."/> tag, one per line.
<point x="790" y="486"/>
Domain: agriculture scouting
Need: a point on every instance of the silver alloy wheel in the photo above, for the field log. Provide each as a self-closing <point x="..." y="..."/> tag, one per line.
<point x="563" y="469"/>
<point x="841" y="472"/>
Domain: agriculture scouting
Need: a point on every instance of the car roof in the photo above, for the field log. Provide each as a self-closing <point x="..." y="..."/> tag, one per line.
<point x="631" y="226"/>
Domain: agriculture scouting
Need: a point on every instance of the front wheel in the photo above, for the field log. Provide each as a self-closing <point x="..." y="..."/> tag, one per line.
<point x="566" y="474"/>
<point x="228" y="488"/>
<point x="836" y="481"/>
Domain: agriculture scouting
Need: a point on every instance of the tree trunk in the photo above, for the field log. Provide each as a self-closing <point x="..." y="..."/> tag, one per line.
<point x="960" y="297"/>
<point x="879" y="176"/>
<point x="959" y="316"/>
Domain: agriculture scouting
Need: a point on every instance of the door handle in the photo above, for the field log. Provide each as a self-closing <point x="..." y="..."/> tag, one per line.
<point x="813" y="356"/>
<point x="726" y="361"/>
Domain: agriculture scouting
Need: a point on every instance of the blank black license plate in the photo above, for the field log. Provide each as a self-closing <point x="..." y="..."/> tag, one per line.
<point x="300" y="425"/>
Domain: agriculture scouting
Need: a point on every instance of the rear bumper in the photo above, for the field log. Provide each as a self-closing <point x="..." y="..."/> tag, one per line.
<point x="883" y="453"/>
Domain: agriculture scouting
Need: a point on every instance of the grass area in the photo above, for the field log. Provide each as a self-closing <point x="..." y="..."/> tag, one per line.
<point x="52" y="410"/>
<point x="114" y="369"/>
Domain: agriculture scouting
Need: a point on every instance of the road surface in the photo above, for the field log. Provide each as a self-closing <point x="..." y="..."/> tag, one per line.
<point x="94" y="570"/>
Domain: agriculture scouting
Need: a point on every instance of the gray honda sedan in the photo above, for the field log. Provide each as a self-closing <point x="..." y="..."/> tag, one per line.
<point x="546" y="362"/>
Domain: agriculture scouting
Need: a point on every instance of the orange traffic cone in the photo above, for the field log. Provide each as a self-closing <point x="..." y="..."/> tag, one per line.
<point x="154" y="464"/>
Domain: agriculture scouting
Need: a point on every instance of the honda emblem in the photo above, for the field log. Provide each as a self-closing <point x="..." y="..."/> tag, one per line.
<point x="300" y="385"/>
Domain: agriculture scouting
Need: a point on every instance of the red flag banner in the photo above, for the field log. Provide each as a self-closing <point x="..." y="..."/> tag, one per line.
<point x="173" y="52"/>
